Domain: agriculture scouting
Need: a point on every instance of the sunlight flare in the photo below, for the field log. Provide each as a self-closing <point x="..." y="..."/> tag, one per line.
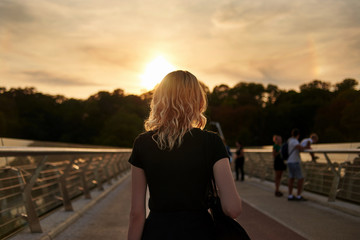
<point x="155" y="71"/>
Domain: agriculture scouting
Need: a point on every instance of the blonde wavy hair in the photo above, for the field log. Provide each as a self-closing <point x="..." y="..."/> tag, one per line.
<point x="178" y="104"/>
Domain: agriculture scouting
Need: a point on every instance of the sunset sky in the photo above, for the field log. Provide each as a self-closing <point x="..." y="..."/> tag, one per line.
<point x="79" y="47"/>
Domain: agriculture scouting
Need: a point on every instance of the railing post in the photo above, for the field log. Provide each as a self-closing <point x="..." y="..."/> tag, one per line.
<point x="106" y="169"/>
<point x="124" y="163"/>
<point x="120" y="164"/>
<point x="263" y="173"/>
<point x="116" y="169"/>
<point x="98" y="176"/>
<point x="86" y="189"/>
<point x="63" y="189"/>
<point x="336" y="180"/>
<point x="250" y="162"/>
<point x="32" y="218"/>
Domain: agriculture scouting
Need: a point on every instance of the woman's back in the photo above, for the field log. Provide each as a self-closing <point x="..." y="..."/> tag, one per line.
<point x="174" y="158"/>
<point x="178" y="180"/>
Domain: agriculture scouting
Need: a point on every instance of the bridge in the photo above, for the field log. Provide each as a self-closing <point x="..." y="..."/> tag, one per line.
<point x="67" y="193"/>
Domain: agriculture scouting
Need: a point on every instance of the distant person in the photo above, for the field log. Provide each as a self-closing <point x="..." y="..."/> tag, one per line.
<point x="239" y="161"/>
<point x="174" y="158"/>
<point x="306" y="143"/>
<point x="294" y="167"/>
<point x="279" y="165"/>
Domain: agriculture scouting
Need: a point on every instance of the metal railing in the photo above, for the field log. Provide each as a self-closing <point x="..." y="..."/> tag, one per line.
<point x="38" y="180"/>
<point x="336" y="179"/>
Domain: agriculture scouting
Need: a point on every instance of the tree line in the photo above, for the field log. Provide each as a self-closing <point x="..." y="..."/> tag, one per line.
<point x="249" y="112"/>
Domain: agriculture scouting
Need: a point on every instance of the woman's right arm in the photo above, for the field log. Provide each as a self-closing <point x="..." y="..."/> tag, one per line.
<point x="230" y="199"/>
<point x="138" y="203"/>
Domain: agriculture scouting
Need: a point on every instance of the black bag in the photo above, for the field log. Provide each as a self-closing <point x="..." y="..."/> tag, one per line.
<point x="226" y="228"/>
<point x="284" y="151"/>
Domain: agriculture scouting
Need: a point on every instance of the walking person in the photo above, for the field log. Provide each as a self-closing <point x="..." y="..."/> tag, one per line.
<point x="279" y="165"/>
<point x="174" y="158"/>
<point x="294" y="167"/>
<point x="239" y="161"/>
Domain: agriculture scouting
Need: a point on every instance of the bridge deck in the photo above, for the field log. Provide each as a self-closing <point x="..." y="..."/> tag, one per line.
<point x="264" y="216"/>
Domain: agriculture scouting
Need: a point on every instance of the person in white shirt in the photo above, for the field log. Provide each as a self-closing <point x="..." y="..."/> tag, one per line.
<point x="306" y="142"/>
<point x="294" y="167"/>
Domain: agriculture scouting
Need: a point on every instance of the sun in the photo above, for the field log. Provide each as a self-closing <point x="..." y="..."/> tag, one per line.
<point x="155" y="71"/>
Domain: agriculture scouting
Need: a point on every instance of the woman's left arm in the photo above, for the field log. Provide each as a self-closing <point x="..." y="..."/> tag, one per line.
<point x="230" y="199"/>
<point x="138" y="211"/>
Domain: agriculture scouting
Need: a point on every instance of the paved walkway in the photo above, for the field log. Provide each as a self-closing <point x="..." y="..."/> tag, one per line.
<point x="314" y="219"/>
<point x="264" y="216"/>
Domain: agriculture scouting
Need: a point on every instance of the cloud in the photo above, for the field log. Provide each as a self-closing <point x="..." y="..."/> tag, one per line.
<point x="249" y="14"/>
<point x="73" y="43"/>
<point x="108" y="55"/>
<point x="284" y="17"/>
<point x="14" y="19"/>
<point x="289" y="42"/>
<point x="14" y="12"/>
<point x="41" y="77"/>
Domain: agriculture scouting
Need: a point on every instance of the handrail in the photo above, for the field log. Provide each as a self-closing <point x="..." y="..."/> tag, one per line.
<point x="23" y="151"/>
<point x="336" y="170"/>
<point x="40" y="179"/>
<point x="324" y="178"/>
<point x="340" y="151"/>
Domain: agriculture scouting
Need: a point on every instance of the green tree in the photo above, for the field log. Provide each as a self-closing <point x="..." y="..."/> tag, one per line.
<point x="248" y="93"/>
<point x="346" y="84"/>
<point x="219" y="95"/>
<point x="248" y="111"/>
<point x="120" y="129"/>
<point x="272" y="93"/>
<point x="316" y="84"/>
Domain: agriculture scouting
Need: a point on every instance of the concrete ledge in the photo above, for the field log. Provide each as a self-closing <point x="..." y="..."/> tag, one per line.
<point x="58" y="221"/>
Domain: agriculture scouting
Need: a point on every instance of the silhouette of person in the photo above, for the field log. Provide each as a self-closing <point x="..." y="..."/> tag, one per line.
<point x="174" y="158"/>
<point x="294" y="167"/>
<point x="239" y="161"/>
<point x="279" y="165"/>
<point x="306" y="142"/>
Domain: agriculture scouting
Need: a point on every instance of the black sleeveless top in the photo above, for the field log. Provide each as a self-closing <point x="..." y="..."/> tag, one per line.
<point x="179" y="179"/>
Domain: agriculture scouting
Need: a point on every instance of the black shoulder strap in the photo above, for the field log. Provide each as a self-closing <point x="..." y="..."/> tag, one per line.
<point x="212" y="183"/>
<point x="292" y="150"/>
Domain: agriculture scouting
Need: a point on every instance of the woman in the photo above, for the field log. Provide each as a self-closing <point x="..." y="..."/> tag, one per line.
<point x="279" y="165"/>
<point x="174" y="159"/>
<point x="239" y="161"/>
